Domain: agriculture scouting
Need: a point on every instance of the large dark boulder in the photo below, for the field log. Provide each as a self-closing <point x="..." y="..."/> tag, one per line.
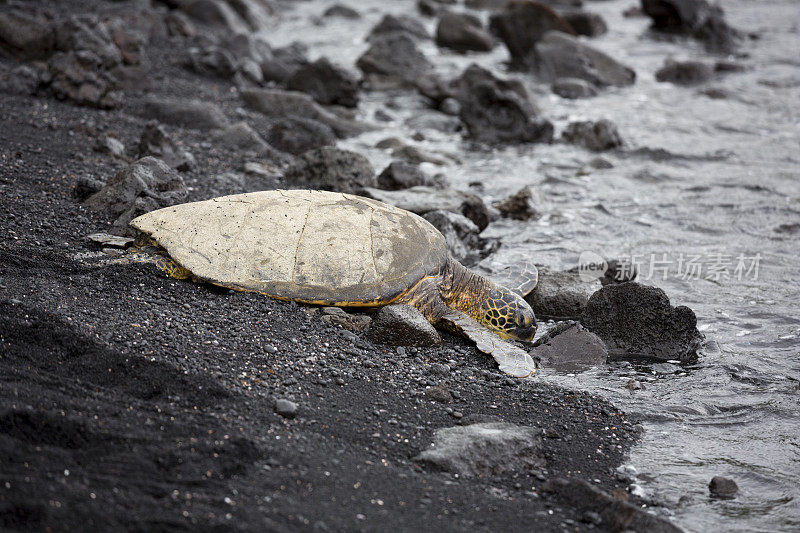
<point x="394" y="56"/>
<point x="331" y="169"/>
<point x="461" y="234"/>
<point x="586" y="23"/>
<point x="462" y="32"/>
<point x="522" y="24"/>
<point x="495" y="110"/>
<point x="594" y="135"/>
<point x="403" y="175"/>
<point x="278" y="104"/>
<point x="612" y="514"/>
<point x="393" y="24"/>
<point x="569" y="347"/>
<point x="696" y="18"/>
<point x="141" y="187"/>
<point x="685" y="72"/>
<point x="561" y="295"/>
<point x="193" y="114"/>
<point x="282" y="62"/>
<point x="326" y="82"/>
<point x="636" y="320"/>
<point x="296" y="135"/>
<point x="558" y="55"/>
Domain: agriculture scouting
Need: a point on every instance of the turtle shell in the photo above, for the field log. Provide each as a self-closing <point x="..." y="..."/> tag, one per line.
<point x="309" y="246"/>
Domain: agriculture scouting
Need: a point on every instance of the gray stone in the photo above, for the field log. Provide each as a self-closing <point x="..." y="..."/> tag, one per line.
<point x="179" y="25"/>
<point x="697" y="18"/>
<point x="495" y="110"/>
<point x="558" y="55"/>
<point x="216" y="13"/>
<point x="460" y="233"/>
<point x="258" y="14"/>
<point x="416" y="155"/>
<point x="484" y="450"/>
<point x="85" y="186"/>
<point x="570" y="348"/>
<point x="326" y="82"/>
<point x="298" y="135"/>
<point x="251" y="72"/>
<point x="597" y="136"/>
<point x="520" y="205"/>
<point x="431" y="8"/>
<point x="394" y="56"/>
<point x="242" y="136"/>
<point x="438" y="393"/>
<point x="212" y="61"/>
<point x="291" y="104"/>
<point x="585" y="23"/>
<point x="141" y="187"/>
<point x="343" y="11"/>
<point x="422" y="199"/>
<point x="80" y="77"/>
<point x="450" y="106"/>
<point x="573" y="88"/>
<point x="332" y="169"/>
<point x="87" y="33"/>
<point x="282" y="62"/>
<point x="285" y="408"/>
<point x="155" y="141"/>
<point x="723" y="487"/>
<point x="403" y="325"/>
<point x="638" y="321"/>
<point x="393" y="24"/>
<point x="522" y="24"/>
<point x="615" y="514"/>
<point x="462" y="32"/>
<point x="24" y="37"/>
<point x="21" y="79"/>
<point x="336" y="316"/>
<point x="685" y="72"/>
<point x="111" y="241"/>
<point x="561" y="294"/>
<point x="110" y="145"/>
<point x="428" y="119"/>
<point x="403" y="175"/>
<point x="193" y="114"/>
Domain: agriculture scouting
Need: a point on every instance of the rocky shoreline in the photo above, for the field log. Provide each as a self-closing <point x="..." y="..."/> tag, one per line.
<point x="135" y="402"/>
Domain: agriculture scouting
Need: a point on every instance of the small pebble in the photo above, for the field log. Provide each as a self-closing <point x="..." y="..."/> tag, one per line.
<point x="723" y="487"/>
<point x="286" y="408"/>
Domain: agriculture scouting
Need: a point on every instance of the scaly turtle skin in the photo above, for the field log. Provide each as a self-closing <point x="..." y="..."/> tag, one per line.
<point x="330" y="248"/>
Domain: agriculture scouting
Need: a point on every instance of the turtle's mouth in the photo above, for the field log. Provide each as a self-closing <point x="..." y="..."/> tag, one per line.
<point x="519" y="333"/>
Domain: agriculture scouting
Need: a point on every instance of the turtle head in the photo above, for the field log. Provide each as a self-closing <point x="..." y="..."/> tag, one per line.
<point x="506" y="313"/>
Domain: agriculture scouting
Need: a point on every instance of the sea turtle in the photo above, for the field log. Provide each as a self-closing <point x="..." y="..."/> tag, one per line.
<point x="330" y="248"/>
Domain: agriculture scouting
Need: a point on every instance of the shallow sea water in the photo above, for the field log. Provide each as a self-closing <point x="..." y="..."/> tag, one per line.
<point x="728" y="193"/>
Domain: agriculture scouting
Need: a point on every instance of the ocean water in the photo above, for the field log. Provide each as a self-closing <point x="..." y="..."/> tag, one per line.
<point x="713" y="218"/>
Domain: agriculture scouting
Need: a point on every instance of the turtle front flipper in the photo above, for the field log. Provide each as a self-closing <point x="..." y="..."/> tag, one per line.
<point x="512" y="360"/>
<point x="145" y="250"/>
